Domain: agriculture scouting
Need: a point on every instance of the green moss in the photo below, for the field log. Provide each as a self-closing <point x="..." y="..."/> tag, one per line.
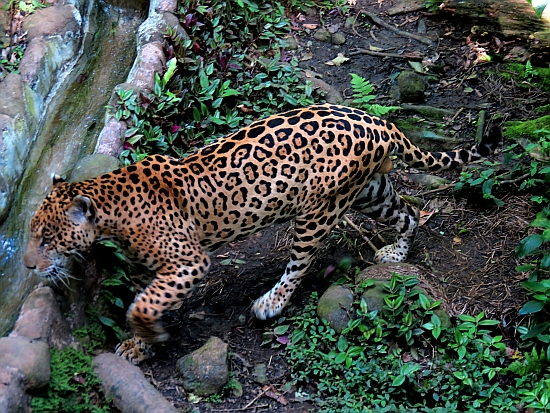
<point x="540" y="78"/>
<point x="517" y="129"/>
<point x="73" y="388"/>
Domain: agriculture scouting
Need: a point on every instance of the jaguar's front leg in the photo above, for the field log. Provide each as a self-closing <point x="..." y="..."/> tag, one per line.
<point x="168" y="289"/>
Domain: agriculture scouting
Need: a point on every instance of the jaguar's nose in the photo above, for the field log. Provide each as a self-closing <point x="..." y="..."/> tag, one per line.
<point x="29" y="261"/>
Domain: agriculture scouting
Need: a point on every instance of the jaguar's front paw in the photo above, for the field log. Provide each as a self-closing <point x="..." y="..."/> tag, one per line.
<point x="135" y="350"/>
<point x="389" y="254"/>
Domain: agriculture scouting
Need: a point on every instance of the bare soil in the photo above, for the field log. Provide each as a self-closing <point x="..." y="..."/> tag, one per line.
<point x="465" y="247"/>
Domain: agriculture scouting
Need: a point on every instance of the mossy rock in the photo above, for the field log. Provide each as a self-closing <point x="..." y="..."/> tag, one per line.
<point x="334" y="306"/>
<point x="517" y="129"/>
<point x="411" y="87"/>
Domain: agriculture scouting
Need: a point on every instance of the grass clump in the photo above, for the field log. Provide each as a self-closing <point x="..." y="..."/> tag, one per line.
<point x="403" y="359"/>
<point x="73" y="388"/>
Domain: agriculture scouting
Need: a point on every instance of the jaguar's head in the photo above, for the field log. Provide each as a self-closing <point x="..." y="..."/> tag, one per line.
<point x="62" y="227"/>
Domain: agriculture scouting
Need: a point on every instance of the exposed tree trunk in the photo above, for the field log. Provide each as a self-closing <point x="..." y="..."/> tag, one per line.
<point x="514" y="18"/>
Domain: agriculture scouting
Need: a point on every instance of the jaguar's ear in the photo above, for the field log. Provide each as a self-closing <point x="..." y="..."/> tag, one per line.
<point x="56" y="179"/>
<point x="82" y="210"/>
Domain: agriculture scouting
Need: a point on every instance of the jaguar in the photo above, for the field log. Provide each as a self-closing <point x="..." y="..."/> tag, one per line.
<point x="310" y="165"/>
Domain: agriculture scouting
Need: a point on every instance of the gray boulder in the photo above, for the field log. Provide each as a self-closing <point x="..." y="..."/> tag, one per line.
<point x="204" y="371"/>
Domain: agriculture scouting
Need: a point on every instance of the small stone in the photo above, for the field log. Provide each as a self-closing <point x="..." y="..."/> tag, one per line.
<point x="290" y="42"/>
<point x="428" y="181"/>
<point x="394" y="92"/>
<point x="386" y="270"/>
<point x="333" y="306"/>
<point x="374" y="296"/>
<point x="338" y="38"/>
<point x="350" y="21"/>
<point x="31" y="357"/>
<point x="323" y="35"/>
<point x="381" y="274"/>
<point x="13" y="398"/>
<point x="259" y="374"/>
<point x="334" y="97"/>
<point x="204" y="371"/>
<point x="411" y="86"/>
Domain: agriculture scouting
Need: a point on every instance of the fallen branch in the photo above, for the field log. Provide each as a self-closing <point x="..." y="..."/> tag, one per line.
<point x="433" y="191"/>
<point x="248" y="406"/>
<point x="385" y="25"/>
<point x="516" y="180"/>
<point x="408" y="56"/>
<point x="480" y="125"/>
<point x="427" y="108"/>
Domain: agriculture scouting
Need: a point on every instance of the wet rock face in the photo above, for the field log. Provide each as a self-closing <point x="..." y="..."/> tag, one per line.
<point x="204" y="372"/>
<point x="54" y="35"/>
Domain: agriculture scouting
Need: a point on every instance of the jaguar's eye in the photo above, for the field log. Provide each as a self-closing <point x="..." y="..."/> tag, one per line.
<point x="45" y="241"/>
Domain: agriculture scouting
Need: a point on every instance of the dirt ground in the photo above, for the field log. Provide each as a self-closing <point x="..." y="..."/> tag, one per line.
<point x="465" y="247"/>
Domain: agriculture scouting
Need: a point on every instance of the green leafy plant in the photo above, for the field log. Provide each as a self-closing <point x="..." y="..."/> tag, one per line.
<point x="403" y="358"/>
<point x="229" y="71"/>
<point x="10" y="63"/>
<point x="486" y="179"/>
<point x="26" y="6"/>
<point x="538" y="285"/>
<point x="363" y="94"/>
<point x="530" y="72"/>
<point x="529" y="166"/>
<point x="73" y="388"/>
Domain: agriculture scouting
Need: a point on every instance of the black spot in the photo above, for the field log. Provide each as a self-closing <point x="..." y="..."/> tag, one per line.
<point x="254" y="132"/>
<point x="274" y="122"/>
<point x="226" y="147"/>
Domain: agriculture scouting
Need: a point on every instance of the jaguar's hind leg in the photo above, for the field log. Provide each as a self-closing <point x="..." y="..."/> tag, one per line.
<point x="380" y="201"/>
<point x="309" y="233"/>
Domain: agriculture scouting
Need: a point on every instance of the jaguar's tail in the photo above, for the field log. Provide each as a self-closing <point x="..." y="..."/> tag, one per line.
<point x="417" y="158"/>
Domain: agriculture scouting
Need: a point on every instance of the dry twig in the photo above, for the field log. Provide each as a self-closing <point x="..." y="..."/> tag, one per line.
<point x="355" y="227"/>
<point x="387" y="26"/>
<point x="409" y="56"/>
